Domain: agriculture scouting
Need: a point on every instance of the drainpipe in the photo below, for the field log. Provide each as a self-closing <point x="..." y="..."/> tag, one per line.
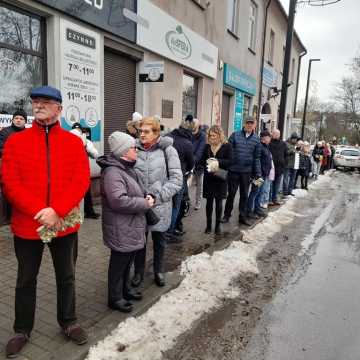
<point x="262" y="62"/>
<point x="297" y="80"/>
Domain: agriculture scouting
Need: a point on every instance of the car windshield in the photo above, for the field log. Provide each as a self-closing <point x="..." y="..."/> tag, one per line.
<point x="350" y="153"/>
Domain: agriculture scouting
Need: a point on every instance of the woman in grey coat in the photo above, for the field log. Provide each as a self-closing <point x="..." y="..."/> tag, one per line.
<point x="159" y="170"/>
<point x="124" y="205"/>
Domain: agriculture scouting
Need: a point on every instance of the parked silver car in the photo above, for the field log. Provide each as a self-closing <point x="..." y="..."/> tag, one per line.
<point x="347" y="157"/>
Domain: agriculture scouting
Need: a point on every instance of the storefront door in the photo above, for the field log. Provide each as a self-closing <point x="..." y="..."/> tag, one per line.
<point x="119" y="99"/>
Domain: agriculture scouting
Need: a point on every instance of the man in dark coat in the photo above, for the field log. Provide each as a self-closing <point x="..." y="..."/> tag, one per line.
<point x="290" y="167"/>
<point x="18" y="124"/>
<point x="183" y="145"/>
<point x="278" y="149"/>
<point x="199" y="144"/>
<point x="245" y="166"/>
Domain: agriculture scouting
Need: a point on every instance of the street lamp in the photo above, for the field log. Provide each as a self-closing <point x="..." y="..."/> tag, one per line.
<point x="306" y="97"/>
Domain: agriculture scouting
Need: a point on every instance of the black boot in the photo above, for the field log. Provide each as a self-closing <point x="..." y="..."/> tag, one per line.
<point x="218" y="229"/>
<point x="208" y="226"/>
<point x="137" y="279"/>
<point x="159" y="279"/>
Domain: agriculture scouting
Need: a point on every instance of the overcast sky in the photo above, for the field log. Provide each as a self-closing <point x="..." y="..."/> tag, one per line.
<point x="331" y="33"/>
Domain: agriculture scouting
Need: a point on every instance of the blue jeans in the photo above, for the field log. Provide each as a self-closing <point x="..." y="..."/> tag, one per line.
<point x="253" y="199"/>
<point x="176" y="208"/>
<point x="275" y="187"/>
<point x="265" y="192"/>
<point x="289" y="181"/>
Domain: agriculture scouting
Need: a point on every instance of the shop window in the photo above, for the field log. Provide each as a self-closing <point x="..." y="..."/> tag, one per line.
<point x="252" y="26"/>
<point x="22" y="58"/>
<point x="190" y="93"/>
<point x="246" y="106"/>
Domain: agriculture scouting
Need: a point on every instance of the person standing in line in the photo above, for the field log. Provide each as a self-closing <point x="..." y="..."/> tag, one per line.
<point x="132" y="126"/>
<point x="305" y="165"/>
<point x="290" y="167"/>
<point x="199" y="144"/>
<point x="159" y="171"/>
<point x="92" y="153"/>
<point x="44" y="187"/>
<point x="317" y="155"/>
<point x="218" y="152"/>
<point x="17" y="124"/>
<point x="182" y="142"/>
<point x="278" y="149"/>
<point x="124" y="206"/>
<point x="326" y="157"/>
<point x="258" y="191"/>
<point x="246" y="165"/>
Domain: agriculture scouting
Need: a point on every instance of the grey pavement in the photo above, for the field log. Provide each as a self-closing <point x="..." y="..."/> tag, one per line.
<point x="47" y="341"/>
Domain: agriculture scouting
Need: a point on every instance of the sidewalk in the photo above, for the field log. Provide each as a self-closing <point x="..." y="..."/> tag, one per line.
<point x="47" y="342"/>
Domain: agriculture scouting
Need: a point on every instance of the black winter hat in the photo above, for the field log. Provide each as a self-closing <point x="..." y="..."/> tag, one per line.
<point x="20" y="112"/>
<point x="265" y="133"/>
<point x="294" y="135"/>
<point x="189" y="118"/>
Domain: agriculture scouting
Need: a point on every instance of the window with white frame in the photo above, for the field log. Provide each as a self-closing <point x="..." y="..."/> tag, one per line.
<point x="232" y="15"/>
<point x="271" y="47"/>
<point x="252" y="26"/>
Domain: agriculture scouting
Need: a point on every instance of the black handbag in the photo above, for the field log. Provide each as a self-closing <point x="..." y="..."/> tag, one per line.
<point x="151" y="217"/>
<point x="221" y="174"/>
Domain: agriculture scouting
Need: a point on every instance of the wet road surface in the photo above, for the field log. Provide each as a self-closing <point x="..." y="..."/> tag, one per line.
<point x="305" y="302"/>
<point x="317" y="315"/>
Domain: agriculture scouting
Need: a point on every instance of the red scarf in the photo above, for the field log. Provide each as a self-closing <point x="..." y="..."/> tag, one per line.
<point x="150" y="144"/>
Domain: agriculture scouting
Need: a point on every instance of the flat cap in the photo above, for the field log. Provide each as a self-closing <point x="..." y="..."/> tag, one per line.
<point x="47" y="92"/>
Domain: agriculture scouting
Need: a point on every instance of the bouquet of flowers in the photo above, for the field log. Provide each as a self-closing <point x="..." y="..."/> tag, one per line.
<point x="70" y="220"/>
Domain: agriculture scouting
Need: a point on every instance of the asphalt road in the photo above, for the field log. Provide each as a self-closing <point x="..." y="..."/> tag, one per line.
<point x="316" y="316"/>
<point x="308" y="309"/>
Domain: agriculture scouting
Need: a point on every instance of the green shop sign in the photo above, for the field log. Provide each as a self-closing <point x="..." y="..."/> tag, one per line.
<point x="237" y="79"/>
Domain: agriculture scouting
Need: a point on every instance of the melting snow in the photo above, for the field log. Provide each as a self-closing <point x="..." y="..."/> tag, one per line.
<point x="208" y="280"/>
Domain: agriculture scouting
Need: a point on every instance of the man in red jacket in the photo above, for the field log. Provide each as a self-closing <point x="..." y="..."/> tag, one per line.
<point x="43" y="186"/>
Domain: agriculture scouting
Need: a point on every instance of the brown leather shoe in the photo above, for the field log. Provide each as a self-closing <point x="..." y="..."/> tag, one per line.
<point x="15" y="345"/>
<point x="76" y="334"/>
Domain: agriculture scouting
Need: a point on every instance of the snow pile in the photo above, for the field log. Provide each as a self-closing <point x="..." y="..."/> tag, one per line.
<point x="300" y="193"/>
<point x="208" y="281"/>
<point x="321" y="181"/>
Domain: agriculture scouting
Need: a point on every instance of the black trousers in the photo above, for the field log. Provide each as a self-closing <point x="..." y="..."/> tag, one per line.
<point x="235" y="181"/>
<point x="159" y="244"/>
<point x="88" y="203"/>
<point x="119" y="274"/>
<point x="29" y="254"/>
<point x="210" y="207"/>
<point x="304" y="181"/>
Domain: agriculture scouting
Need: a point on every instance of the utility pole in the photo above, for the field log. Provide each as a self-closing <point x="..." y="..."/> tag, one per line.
<point x="306" y="97"/>
<point x="287" y="59"/>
